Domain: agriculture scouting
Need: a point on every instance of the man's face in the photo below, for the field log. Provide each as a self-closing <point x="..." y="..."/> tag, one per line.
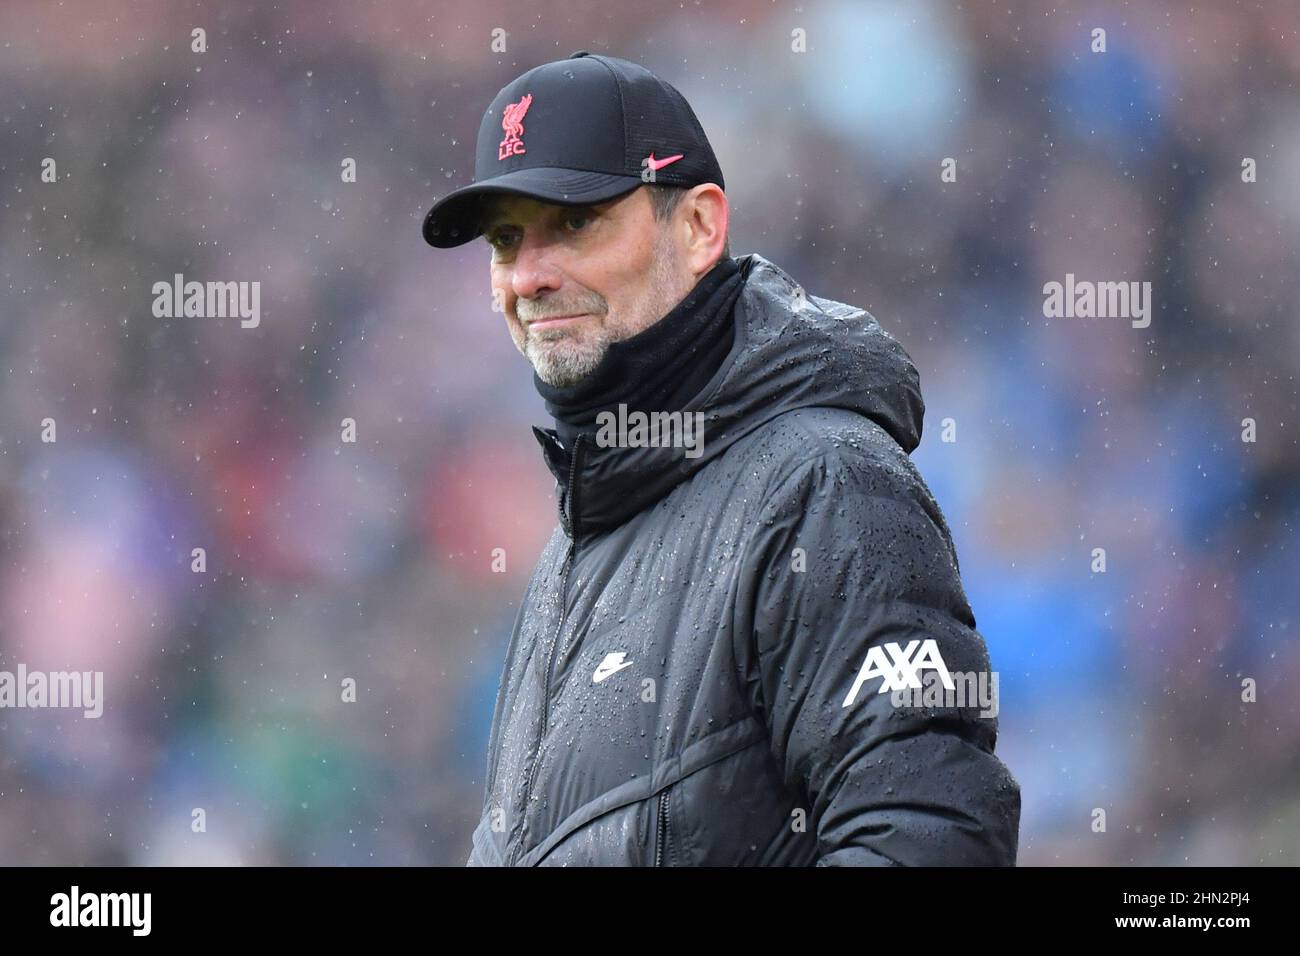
<point x="574" y="279"/>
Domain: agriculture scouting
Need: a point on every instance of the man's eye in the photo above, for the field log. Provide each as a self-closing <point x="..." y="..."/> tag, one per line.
<point x="578" y="217"/>
<point x="500" y="240"/>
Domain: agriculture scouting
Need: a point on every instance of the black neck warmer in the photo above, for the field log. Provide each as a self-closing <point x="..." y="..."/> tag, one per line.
<point x="659" y="369"/>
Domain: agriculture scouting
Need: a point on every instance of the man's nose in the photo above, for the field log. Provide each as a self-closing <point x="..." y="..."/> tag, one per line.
<point x="534" y="270"/>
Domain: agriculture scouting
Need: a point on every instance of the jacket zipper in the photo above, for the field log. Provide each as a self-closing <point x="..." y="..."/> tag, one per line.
<point x="661" y="831"/>
<point x="571" y="513"/>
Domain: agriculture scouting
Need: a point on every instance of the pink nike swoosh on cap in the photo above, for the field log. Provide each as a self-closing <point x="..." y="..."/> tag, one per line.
<point x="661" y="163"/>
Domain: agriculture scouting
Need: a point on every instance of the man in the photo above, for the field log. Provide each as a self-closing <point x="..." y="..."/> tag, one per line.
<point x="746" y="559"/>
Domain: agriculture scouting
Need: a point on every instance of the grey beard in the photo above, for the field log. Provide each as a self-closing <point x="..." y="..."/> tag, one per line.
<point x="563" y="367"/>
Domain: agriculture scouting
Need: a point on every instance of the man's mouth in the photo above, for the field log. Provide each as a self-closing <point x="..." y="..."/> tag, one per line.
<point x="556" y="322"/>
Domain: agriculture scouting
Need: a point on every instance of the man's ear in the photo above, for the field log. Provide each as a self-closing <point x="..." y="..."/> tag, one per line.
<point x="707" y="213"/>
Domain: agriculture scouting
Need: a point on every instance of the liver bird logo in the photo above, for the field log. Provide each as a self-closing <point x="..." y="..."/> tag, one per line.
<point x="513" y="124"/>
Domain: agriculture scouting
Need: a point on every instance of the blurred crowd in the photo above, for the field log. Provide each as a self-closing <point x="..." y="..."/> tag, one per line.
<point x="330" y="562"/>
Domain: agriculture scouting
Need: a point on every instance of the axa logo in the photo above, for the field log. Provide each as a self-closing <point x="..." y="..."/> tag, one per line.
<point x="612" y="664"/>
<point x="513" y="124"/>
<point x="899" y="671"/>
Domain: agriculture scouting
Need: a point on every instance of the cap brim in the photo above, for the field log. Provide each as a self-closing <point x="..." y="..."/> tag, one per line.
<point x="453" y="220"/>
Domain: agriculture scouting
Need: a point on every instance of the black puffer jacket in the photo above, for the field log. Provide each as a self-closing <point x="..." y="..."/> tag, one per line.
<point x="674" y="692"/>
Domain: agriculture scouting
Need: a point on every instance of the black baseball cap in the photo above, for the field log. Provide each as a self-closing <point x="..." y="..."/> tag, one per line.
<point x="577" y="131"/>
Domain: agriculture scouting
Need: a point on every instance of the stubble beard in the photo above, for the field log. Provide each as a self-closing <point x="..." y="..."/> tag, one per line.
<point x="564" y="357"/>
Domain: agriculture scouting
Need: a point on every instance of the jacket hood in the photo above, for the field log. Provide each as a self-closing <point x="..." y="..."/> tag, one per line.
<point x="792" y="350"/>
